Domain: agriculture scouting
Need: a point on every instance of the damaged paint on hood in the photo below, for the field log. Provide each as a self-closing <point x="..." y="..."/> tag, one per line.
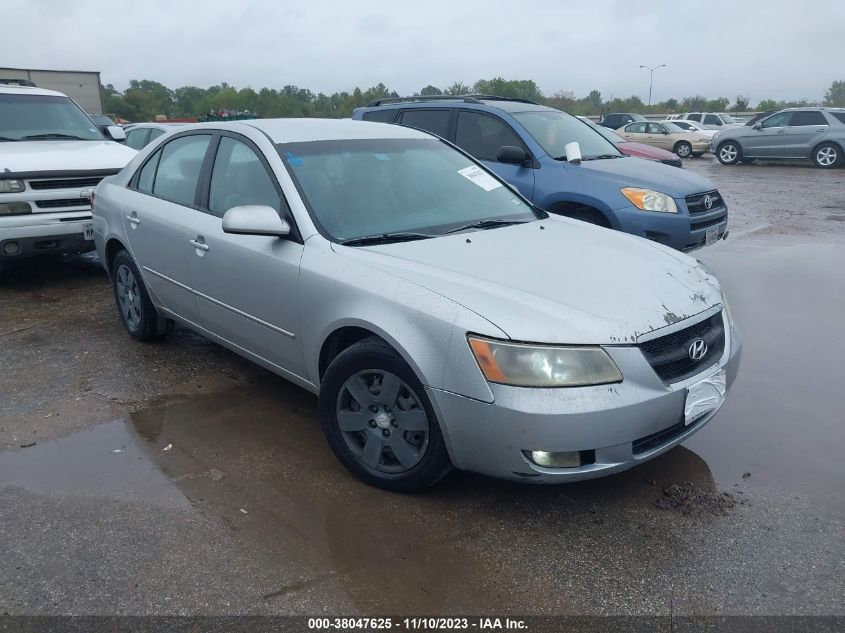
<point x="556" y="280"/>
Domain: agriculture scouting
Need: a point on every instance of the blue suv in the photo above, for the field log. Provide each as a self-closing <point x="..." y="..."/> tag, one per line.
<point x="526" y="144"/>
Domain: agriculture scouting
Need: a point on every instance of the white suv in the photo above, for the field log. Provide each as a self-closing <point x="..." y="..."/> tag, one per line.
<point x="51" y="157"/>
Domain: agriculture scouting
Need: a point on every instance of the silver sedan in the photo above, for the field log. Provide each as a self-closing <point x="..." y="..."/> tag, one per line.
<point x="443" y="320"/>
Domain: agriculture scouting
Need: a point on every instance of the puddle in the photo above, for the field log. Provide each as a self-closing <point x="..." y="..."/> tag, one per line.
<point x="783" y="421"/>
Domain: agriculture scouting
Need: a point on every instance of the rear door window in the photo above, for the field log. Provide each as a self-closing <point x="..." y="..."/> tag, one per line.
<point x="807" y="117"/>
<point x="712" y="119"/>
<point x="839" y="115"/>
<point x="379" y="116"/>
<point x="654" y="128"/>
<point x="136" y="139"/>
<point x="179" y="168"/>
<point x="434" y="121"/>
<point x="694" y="117"/>
<point x="483" y="136"/>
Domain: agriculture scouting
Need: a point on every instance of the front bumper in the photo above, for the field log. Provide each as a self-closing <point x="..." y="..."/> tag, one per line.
<point x="613" y="422"/>
<point x="43" y="233"/>
<point x="680" y="231"/>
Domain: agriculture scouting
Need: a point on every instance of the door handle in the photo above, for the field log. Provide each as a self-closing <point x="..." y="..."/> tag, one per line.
<point x="781" y="131"/>
<point x="200" y="245"/>
<point x="134" y="220"/>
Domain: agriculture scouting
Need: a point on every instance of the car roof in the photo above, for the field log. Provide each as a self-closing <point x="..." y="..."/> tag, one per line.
<point x="306" y="130"/>
<point x="28" y="90"/>
<point x="473" y="102"/>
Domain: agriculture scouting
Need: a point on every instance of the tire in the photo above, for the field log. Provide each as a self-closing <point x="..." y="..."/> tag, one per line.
<point x="683" y="149"/>
<point x="827" y="155"/>
<point x="363" y="425"/>
<point x="137" y="313"/>
<point x="729" y="153"/>
<point x="697" y="154"/>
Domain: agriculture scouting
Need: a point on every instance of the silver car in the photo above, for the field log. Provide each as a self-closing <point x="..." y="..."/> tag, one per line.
<point x="443" y="320"/>
<point x="795" y="133"/>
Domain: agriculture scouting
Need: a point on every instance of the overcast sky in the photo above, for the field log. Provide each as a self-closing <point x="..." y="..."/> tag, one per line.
<point x="778" y="49"/>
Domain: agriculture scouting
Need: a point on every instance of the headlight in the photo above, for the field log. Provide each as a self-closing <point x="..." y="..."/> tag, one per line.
<point x="523" y="365"/>
<point x="648" y="200"/>
<point x="14" y="208"/>
<point x="11" y="186"/>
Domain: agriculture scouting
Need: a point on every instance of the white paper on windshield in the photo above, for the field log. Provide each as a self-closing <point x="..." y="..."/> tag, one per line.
<point x="480" y="177"/>
<point x="705" y="396"/>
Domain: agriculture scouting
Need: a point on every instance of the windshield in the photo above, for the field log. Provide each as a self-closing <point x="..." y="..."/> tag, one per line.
<point x="553" y="129"/>
<point x="727" y="118"/>
<point x="606" y="132"/>
<point x="101" y="119"/>
<point x="44" y="117"/>
<point x="360" y="188"/>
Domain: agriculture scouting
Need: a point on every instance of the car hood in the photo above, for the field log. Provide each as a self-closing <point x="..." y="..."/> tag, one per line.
<point x="568" y="282"/>
<point x="642" y="150"/>
<point x="624" y="172"/>
<point x="47" y="156"/>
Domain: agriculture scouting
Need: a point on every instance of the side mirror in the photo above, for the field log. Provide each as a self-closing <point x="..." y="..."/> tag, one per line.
<point x="255" y="219"/>
<point x="758" y="125"/>
<point x="512" y="155"/>
<point x="116" y="133"/>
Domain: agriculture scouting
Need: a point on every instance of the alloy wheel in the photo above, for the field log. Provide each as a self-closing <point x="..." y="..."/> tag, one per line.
<point x="827" y="156"/>
<point x="129" y="297"/>
<point x="728" y="153"/>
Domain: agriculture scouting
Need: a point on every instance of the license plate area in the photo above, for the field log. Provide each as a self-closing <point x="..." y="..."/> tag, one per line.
<point x="88" y="231"/>
<point x="712" y="235"/>
<point x="705" y="396"/>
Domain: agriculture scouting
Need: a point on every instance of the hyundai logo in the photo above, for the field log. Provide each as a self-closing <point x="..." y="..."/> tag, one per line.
<point x="708" y="203"/>
<point x="697" y="349"/>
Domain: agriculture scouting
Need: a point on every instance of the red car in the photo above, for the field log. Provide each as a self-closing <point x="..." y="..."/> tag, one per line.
<point x="639" y="150"/>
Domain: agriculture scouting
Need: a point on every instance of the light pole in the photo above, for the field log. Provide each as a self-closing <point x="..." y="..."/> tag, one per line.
<point x="651" y="78"/>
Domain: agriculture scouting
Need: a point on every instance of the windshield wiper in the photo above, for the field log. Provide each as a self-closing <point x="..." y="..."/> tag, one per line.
<point x="601" y="156"/>
<point x="386" y="238"/>
<point x="6" y="138"/>
<point x="52" y="135"/>
<point x="486" y="224"/>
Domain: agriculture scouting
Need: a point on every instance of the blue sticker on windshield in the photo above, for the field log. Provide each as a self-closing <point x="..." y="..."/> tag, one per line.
<point x="294" y="160"/>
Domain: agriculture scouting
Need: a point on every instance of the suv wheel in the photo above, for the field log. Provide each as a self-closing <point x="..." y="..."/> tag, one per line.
<point x="729" y="153"/>
<point x="141" y="320"/>
<point x="827" y="155"/>
<point x="683" y="149"/>
<point x="378" y="420"/>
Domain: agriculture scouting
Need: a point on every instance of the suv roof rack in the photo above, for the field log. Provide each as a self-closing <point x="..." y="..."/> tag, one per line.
<point x="13" y="81"/>
<point x="474" y="98"/>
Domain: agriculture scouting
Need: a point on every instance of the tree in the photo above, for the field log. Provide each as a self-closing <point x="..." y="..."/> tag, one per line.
<point x="594" y="99"/>
<point x="458" y="88"/>
<point x="514" y="88"/>
<point x="768" y="104"/>
<point x="741" y="104"/>
<point x="694" y="104"/>
<point x="835" y="95"/>
<point x="186" y="100"/>
<point x="430" y="91"/>
<point x="717" y="105"/>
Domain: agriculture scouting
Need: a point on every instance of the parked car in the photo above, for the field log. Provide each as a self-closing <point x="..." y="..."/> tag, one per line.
<point x="711" y="120"/>
<point x="526" y="144"/>
<point x="692" y="126"/>
<point x="138" y="135"/>
<point x="51" y="156"/>
<point x="616" y="120"/>
<point x="666" y="135"/>
<point x="442" y="319"/>
<point x="817" y="134"/>
<point x="637" y="150"/>
<point x="103" y="124"/>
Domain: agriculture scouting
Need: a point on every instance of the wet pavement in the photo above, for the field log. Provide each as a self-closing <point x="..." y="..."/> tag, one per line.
<point x="177" y="478"/>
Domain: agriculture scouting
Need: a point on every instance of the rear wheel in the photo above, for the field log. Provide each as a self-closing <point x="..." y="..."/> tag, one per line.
<point x="137" y="313"/>
<point x="827" y="155"/>
<point x="729" y="153"/>
<point x="378" y="420"/>
<point x="683" y="149"/>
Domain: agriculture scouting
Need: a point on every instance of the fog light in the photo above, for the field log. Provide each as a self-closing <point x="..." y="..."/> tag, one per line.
<point x="11" y="248"/>
<point x="569" y="459"/>
<point x="14" y="208"/>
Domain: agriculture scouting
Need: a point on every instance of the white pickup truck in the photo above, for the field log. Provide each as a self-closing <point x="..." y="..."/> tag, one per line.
<point x="51" y="157"/>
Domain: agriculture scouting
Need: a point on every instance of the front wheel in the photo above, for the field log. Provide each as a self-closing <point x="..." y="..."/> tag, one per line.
<point x="378" y="420"/>
<point x="729" y="153"/>
<point x="827" y="155"/>
<point x="683" y="149"/>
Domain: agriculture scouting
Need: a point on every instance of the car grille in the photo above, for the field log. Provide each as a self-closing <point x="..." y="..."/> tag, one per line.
<point x="669" y="355"/>
<point x="64" y="202"/>
<point x="697" y="226"/>
<point x="654" y="440"/>
<point x="66" y="183"/>
<point x="695" y="202"/>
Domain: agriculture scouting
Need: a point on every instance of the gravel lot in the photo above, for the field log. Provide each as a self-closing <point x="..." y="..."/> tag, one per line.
<point x="177" y="478"/>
